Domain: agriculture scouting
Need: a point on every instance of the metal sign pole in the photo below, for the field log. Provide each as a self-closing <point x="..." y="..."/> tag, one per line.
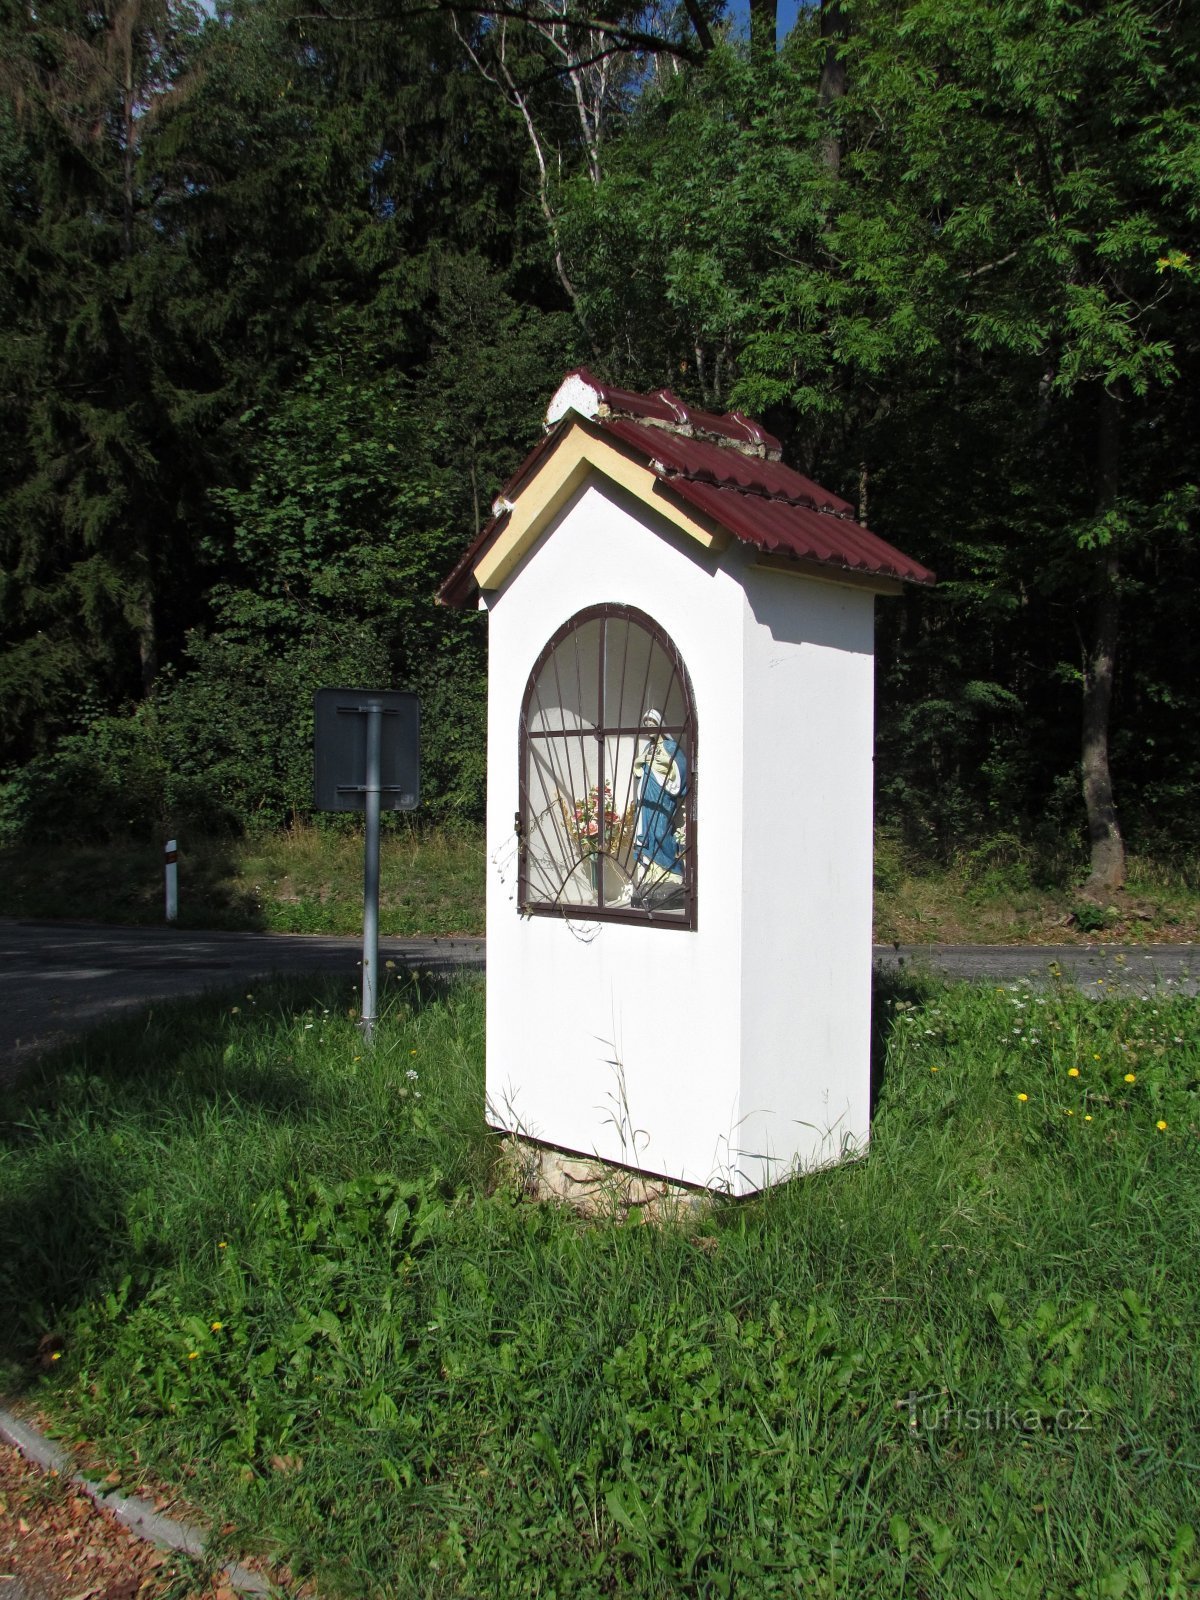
<point x="370" y="958"/>
<point x="367" y="755"/>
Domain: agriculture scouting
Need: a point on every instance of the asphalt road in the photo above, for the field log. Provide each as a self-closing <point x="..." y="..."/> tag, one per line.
<point x="58" y="979"/>
<point x="1118" y="968"/>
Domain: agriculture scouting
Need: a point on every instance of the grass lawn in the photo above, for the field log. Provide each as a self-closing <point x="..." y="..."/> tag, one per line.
<point x="278" y="1272"/>
<point x="1000" y="894"/>
<point x="309" y="880"/>
<point x="302" y="880"/>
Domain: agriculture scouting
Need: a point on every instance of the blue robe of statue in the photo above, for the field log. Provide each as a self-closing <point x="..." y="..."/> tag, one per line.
<point x="662" y="769"/>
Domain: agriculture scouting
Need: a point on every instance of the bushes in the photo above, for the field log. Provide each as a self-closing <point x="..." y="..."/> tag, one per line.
<point x="227" y="748"/>
<point x="238" y="727"/>
<point x="108" y="780"/>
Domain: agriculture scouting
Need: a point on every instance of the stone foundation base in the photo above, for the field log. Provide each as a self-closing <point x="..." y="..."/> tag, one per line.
<point x="593" y="1187"/>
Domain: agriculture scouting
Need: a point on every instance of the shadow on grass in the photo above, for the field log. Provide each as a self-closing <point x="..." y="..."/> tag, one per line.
<point x="302" y="880"/>
<point x="68" y="1125"/>
<point x="887" y="988"/>
<point x="121" y="881"/>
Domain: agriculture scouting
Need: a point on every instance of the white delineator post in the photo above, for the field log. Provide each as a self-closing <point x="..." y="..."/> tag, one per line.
<point x="171" y="878"/>
<point x="370" y="956"/>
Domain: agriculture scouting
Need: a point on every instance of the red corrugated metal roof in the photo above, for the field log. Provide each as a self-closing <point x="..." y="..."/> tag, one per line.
<point x="708" y="463"/>
<point x="741" y="486"/>
<point x="764" y="503"/>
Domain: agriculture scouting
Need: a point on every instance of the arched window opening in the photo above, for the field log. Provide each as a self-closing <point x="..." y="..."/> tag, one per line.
<point x="608" y="774"/>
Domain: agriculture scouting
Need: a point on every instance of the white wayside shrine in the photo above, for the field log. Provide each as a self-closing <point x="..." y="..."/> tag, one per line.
<point x="679" y="794"/>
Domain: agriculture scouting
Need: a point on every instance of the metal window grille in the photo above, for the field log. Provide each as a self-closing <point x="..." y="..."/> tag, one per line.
<point x="607" y="817"/>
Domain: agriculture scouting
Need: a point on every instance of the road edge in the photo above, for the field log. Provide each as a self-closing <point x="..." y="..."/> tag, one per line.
<point x="138" y="1516"/>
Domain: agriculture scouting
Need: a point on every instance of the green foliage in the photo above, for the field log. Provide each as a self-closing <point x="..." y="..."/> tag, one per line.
<point x="705" y="205"/>
<point x="105" y="781"/>
<point x="238" y="724"/>
<point x="1091" y="918"/>
<point x="230" y="457"/>
<point x="273" y="333"/>
<point x="276" y="1258"/>
<point x="924" y="287"/>
<point x="1012" y="217"/>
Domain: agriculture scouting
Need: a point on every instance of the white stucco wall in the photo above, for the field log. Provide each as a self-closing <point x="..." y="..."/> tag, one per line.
<point x="691" y="1053"/>
<point x="808" y="690"/>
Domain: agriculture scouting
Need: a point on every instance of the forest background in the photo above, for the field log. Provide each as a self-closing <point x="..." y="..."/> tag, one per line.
<point x="284" y="290"/>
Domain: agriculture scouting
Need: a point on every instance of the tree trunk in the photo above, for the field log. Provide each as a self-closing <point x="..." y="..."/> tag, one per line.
<point x="1099" y="667"/>
<point x="831" y="86"/>
<point x="147" y="642"/>
<point x="764" y="22"/>
<point x="129" y="152"/>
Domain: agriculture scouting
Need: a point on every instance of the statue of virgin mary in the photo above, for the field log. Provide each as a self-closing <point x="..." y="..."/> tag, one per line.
<point x="661" y="773"/>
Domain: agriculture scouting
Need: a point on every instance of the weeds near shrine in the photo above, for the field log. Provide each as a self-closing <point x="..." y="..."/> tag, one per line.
<point x="964" y="1366"/>
<point x="309" y="880"/>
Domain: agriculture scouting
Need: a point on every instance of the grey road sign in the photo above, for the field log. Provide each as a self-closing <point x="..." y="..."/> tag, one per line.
<point x="342" y="722"/>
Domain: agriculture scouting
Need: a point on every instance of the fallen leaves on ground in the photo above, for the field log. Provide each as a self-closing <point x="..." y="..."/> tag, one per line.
<point x="56" y="1545"/>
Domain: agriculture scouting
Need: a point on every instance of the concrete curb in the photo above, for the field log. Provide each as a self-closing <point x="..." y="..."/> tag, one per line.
<point x="139" y="1516"/>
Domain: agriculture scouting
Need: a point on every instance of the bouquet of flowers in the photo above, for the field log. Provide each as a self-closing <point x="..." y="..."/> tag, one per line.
<point x="585" y="816"/>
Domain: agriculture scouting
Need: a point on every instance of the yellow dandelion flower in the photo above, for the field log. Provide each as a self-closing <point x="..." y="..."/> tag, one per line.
<point x="1096" y="1056"/>
<point x="1131" y="1077"/>
<point x="193" y="1355"/>
<point x="1072" y="1072"/>
<point x="1161" y="1126"/>
<point x="412" y="1052"/>
<point x="1022" y="1097"/>
<point x="1070" y="1113"/>
<point x="1087" y="1116"/>
<point x="221" y="1245"/>
<point x="933" y="1069"/>
<point x="216" y="1326"/>
<point x="56" y="1355"/>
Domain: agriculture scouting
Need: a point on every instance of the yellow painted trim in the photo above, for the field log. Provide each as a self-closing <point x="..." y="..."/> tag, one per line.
<point x="578" y="455"/>
<point x="798" y="567"/>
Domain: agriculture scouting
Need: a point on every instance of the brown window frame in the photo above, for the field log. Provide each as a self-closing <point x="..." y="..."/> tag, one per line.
<point x="686" y="734"/>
